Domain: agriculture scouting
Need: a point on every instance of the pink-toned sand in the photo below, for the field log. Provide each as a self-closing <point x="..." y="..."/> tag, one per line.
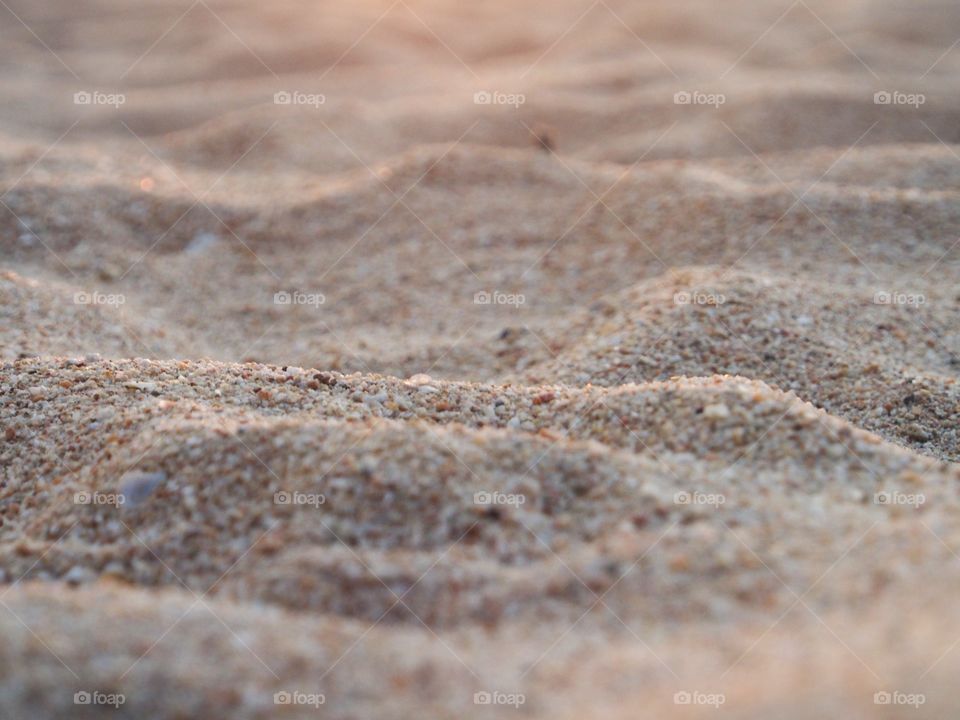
<point x="434" y="359"/>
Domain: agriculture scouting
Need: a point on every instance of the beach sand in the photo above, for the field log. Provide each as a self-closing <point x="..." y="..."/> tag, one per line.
<point x="429" y="359"/>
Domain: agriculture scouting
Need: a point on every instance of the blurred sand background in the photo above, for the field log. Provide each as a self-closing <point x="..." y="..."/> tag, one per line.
<point x="675" y="283"/>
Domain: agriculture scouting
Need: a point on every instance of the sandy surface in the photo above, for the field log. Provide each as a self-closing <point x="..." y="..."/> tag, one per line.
<point x="587" y="400"/>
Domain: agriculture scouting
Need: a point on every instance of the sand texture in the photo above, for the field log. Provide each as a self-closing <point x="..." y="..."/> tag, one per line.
<point x="593" y="360"/>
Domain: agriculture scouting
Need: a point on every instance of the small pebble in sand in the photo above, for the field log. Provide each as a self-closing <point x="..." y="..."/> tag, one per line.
<point x="136" y="487"/>
<point x="716" y="411"/>
<point x="78" y="575"/>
